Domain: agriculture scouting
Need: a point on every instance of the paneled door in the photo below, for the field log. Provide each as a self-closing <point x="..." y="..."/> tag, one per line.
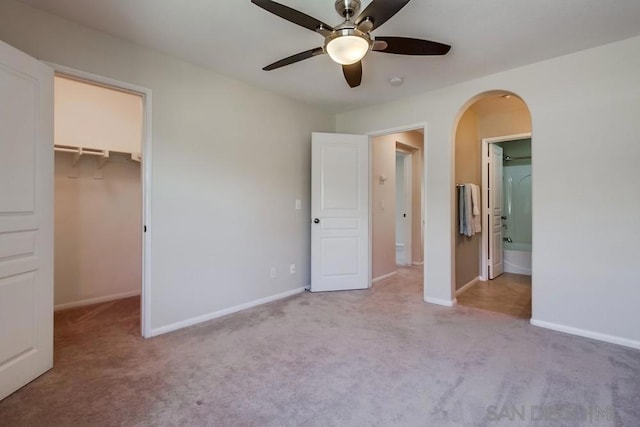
<point x="340" y="212"/>
<point x="26" y="219"/>
<point x="496" y="264"/>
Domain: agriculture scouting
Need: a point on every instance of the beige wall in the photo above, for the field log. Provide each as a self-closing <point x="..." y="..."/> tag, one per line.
<point x="467" y="170"/>
<point x="416" y="140"/>
<point x="491" y="116"/>
<point x="97" y="229"/>
<point x="384" y="200"/>
<point x="505" y="123"/>
<point x="91" y="116"/>
<point x="383" y="215"/>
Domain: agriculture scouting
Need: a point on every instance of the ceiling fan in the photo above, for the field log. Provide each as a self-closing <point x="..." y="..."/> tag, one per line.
<point x="350" y="41"/>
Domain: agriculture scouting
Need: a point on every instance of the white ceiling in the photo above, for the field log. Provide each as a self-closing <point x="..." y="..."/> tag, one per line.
<point x="237" y="38"/>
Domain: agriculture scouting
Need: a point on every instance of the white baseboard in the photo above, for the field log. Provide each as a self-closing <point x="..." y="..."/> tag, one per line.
<point x="384" y="276"/>
<point x="418" y="263"/>
<point x="587" y="334"/>
<point x="90" y="301"/>
<point x="210" y="316"/>
<point x="445" y="302"/>
<point x="467" y="285"/>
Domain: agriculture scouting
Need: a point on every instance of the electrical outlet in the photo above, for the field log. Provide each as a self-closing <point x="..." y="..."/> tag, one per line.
<point x="273" y="273"/>
<point x="292" y="269"/>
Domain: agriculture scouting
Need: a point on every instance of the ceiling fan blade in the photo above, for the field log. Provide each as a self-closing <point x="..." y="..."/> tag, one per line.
<point x="353" y="74"/>
<point x="295" y="58"/>
<point x="291" y="15"/>
<point x="409" y="46"/>
<point x="380" y="11"/>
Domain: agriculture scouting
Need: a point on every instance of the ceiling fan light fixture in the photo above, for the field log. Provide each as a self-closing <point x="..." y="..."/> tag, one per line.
<point x="347" y="46"/>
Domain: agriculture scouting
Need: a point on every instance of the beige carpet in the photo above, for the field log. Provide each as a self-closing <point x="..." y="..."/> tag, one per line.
<point x="378" y="357"/>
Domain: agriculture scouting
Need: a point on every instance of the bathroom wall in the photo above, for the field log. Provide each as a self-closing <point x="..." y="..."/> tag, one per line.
<point x="517" y="148"/>
<point x="517" y="191"/>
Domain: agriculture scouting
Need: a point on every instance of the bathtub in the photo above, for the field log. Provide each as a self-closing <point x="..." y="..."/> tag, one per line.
<point x="517" y="257"/>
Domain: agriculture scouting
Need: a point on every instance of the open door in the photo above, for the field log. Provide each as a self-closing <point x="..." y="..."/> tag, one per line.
<point x="496" y="265"/>
<point x="340" y="212"/>
<point x="26" y="219"/>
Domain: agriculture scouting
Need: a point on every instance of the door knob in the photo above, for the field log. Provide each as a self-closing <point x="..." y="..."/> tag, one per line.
<point x="316" y="220"/>
<point x="503" y="217"/>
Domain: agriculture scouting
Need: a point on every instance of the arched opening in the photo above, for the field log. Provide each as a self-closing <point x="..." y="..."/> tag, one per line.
<point x="493" y="215"/>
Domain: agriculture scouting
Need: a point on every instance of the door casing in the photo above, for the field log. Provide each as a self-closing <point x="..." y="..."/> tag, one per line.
<point x="146" y="167"/>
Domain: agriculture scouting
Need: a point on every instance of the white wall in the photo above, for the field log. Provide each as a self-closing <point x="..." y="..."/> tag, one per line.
<point x="229" y="160"/>
<point x="584" y="109"/>
<point x="98" y="251"/>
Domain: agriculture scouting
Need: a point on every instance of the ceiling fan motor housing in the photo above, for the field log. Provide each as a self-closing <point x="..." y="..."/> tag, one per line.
<point x="347" y="8"/>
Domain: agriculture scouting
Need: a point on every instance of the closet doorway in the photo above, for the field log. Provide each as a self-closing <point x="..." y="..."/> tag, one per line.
<point x="102" y="143"/>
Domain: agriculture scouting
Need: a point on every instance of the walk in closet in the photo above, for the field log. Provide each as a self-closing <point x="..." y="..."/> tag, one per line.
<point x="98" y="193"/>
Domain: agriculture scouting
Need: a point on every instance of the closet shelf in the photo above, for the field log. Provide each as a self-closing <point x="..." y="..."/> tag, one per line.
<point x="102" y="155"/>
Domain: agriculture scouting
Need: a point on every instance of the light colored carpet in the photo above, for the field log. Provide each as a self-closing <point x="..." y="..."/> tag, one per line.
<point x="361" y="358"/>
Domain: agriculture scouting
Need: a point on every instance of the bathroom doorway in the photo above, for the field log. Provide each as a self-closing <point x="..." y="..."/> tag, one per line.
<point x="493" y="151"/>
<point x="506" y="236"/>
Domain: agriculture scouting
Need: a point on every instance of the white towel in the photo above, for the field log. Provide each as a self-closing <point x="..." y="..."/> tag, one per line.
<point x="469" y="231"/>
<point x="475" y="200"/>
<point x="461" y="214"/>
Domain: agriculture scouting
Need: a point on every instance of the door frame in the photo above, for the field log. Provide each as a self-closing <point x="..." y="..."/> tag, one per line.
<point x="485" y="234"/>
<point x="146" y="168"/>
<point x="373" y="134"/>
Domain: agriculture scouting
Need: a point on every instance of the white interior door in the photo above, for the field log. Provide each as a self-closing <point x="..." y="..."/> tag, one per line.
<point x="340" y="212"/>
<point x="26" y="219"/>
<point x="404" y="209"/>
<point x="401" y="210"/>
<point x="496" y="265"/>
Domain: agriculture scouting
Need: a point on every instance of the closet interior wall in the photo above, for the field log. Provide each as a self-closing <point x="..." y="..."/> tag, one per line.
<point x="98" y="198"/>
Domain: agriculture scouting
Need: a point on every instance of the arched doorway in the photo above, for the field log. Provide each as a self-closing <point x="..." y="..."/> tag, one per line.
<point x="493" y="220"/>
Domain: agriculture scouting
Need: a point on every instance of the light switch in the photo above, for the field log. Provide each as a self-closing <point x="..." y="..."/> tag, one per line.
<point x="298" y="204"/>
